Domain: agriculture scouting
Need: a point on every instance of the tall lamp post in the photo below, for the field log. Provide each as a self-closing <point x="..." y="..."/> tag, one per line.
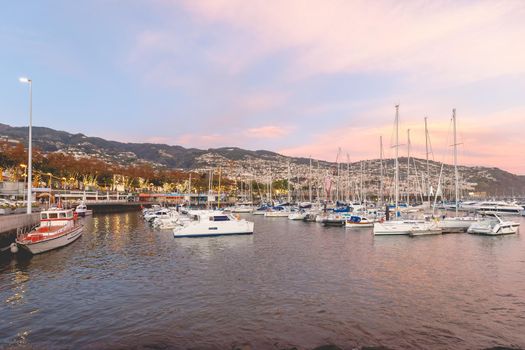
<point x="30" y="149"/>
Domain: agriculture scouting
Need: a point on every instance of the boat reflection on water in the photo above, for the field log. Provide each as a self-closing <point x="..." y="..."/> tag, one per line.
<point x="206" y="247"/>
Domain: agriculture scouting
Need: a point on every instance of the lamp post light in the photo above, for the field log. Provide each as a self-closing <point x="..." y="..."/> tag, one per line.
<point x="30" y="150"/>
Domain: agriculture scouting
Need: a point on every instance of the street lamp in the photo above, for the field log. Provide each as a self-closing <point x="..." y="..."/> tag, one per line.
<point x="30" y="148"/>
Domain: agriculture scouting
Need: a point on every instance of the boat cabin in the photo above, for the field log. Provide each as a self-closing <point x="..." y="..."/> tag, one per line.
<point x="56" y="217"/>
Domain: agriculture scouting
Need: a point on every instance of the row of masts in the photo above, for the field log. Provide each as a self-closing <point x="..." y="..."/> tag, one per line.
<point x="352" y="189"/>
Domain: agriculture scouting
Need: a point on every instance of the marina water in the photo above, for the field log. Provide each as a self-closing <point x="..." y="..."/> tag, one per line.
<point x="290" y="285"/>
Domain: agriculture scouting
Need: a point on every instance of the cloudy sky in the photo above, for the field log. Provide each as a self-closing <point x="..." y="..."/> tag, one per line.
<point x="298" y="77"/>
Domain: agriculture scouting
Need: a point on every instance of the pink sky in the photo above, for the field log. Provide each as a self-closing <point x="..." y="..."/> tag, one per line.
<point x="301" y="77"/>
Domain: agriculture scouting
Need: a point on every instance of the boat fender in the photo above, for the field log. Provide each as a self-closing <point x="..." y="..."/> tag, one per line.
<point x="75" y="216"/>
<point x="14" y="248"/>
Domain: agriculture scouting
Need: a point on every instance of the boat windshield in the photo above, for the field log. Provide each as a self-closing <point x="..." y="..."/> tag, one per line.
<point x="219" y="218"/>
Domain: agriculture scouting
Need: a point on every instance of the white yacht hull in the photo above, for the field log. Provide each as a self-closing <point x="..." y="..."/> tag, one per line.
<point x="455" y="224"/>
<point x="297" y="216"/>
<point x="84" y="213"/>
<point x="496" y="230"/>
<point x="241" y="210"/>
<point x="401" y="227"/>
<point x="426" y="232"/>
<point x="52" y="243"/>
<point x="209" y="229"/>
<point x="354" y="225"/>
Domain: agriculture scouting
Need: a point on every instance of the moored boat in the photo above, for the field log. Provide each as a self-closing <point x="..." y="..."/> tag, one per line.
<point x="499" y="208"/>
<point x="494" y="227"/>
<point x="403" y="227"/>
<point x="298" y="215"/>
<point x="82" y="210"/>
<point x="334" y="220"/>
<point x="277" y="212"/>
<point x="358" y="221"/>
<point x="212" y="223"/>
<point x="456" y="224"/>
<point x="57" y="228"/>
<point x="242" y="208"/>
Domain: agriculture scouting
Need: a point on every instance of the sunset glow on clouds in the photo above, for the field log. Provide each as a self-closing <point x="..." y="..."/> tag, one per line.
<point x="299" y="77"/>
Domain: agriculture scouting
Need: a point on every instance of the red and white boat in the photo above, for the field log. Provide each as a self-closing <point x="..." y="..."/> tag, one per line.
<point x="58" y="227"/>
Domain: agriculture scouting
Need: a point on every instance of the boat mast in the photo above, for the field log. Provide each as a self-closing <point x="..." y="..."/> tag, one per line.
<point x="337" y="178"/>
<point x="347" y="178"/>
<point x="189" y="189"/>
<point x="381" y="169"/>
<point x="219" y="193"/>
<point x="455" y="159"/>
<point x="408" y="167"/>
<point x="310" y="181"/>
<point x="288" y="183"/>
<point x="318" y="185"/>
<point x="427" y="185"/>
<point x="396" y="174"/>
<point x="361" y="183"/>
<point x="270" y="186"/>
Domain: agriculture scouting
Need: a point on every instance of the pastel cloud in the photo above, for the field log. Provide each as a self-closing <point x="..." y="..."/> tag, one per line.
<point x="301" y="76"/>
<point x="267" y="132"/>
<point x="259" y="57"/>
<point x="441" y="39"/>
<point x="489" y="142"/>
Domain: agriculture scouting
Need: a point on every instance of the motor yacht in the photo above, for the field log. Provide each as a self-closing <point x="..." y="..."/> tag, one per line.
<point x="212" y="223"/>
<point x="82" y="210"/>
<point x="494" y="227"/>
<point x="499" y="208"/>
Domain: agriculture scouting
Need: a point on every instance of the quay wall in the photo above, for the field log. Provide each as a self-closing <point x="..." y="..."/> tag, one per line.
<point x="9" y="225"/>
<point x="115" y="207"/>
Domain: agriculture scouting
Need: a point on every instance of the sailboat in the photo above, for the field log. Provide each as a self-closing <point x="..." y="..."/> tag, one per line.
<point x="403" y="227"/>
<point x="456" y="223"/>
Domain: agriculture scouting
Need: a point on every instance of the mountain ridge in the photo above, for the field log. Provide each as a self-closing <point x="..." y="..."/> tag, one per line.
<point x="260" y="164"/>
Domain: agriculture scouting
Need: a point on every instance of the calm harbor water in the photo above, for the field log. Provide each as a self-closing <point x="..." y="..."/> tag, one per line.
<point x="291" y="284"/>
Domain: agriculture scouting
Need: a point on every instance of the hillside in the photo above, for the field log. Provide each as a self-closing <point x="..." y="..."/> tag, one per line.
<point x="263" y="165"/>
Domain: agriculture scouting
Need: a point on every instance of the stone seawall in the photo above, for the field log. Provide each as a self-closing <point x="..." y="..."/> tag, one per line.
<point x="9" y="225"/>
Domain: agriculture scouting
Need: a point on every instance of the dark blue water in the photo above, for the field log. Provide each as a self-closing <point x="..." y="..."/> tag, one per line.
<point x="291" y="284"/>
